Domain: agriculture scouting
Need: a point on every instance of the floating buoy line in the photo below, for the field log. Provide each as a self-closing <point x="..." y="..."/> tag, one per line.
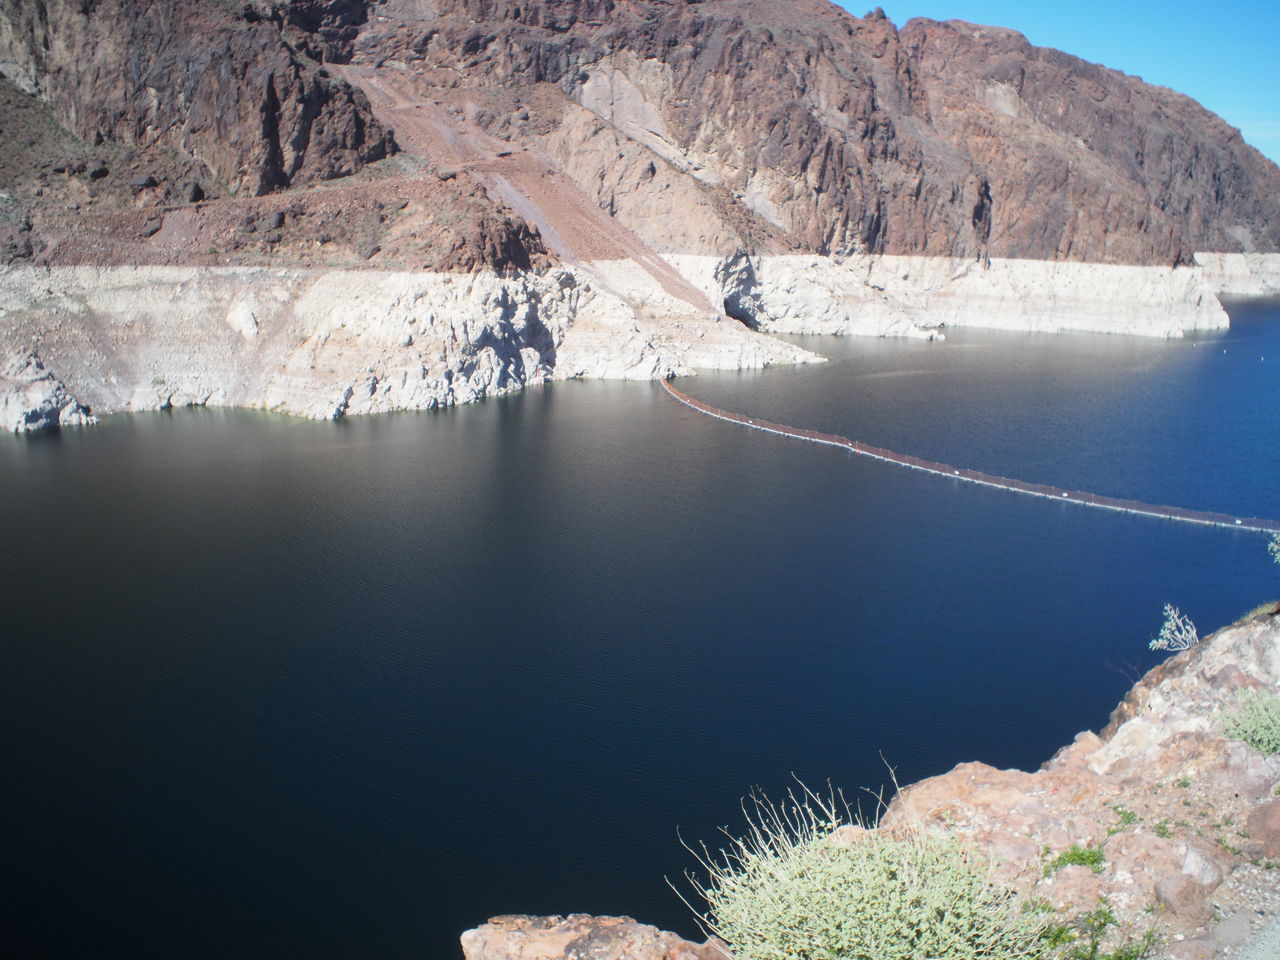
<point x="1180" y="514"/>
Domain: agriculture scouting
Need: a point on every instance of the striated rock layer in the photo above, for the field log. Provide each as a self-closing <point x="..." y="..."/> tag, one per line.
<point x="1186" y="820"/>
<point x="327" y="344"/>
<point x="338" y="342"/>
<point x="915" y="296"/>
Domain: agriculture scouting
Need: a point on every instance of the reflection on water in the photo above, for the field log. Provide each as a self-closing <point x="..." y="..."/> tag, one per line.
<point x="342" y="690"/>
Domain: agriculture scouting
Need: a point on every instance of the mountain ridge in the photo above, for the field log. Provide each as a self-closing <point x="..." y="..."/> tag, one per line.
<point x="771" y="131"/>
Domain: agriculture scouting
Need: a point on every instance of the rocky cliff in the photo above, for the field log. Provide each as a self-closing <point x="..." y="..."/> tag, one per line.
<point x="219" y="82"/>
<point x="791" y="167"/>
<point x="330" y="343"/>
<point x="707" y="127"/>
<point x="797" y="126"/>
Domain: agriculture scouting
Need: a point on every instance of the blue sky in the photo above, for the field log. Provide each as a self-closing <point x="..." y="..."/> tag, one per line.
<point x="1224" y="54"/>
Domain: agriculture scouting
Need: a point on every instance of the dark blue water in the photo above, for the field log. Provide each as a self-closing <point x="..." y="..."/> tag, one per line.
<point x="275" y="688"/>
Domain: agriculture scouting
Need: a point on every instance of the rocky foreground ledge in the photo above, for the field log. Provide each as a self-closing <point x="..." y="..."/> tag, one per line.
<point x="1183" y="821"/>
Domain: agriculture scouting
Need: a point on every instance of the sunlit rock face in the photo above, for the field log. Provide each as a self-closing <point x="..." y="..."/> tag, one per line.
<point x="1182" y="814"/>
<point x="327" y="344"/>
<point x="602" y="938"/>
<point x="32" y="398"/>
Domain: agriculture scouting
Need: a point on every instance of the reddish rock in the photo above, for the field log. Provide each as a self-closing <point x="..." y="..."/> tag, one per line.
<point x="581" y="936"/>
<point x="711" y="127"/>
<point x="1182" y="896"/>
<point x="1160" y="793"/>
<point x="1231" y="679"/>
<point x="199" y="77"/>
<point x="1144" y="856"/>
<point x="1243" y="770"/>
<point x="1264" y="828"/>
<point x="1205" y="862"/>
<point x="1073" y="889"/>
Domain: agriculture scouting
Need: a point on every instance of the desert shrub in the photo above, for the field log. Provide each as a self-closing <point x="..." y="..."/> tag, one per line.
<point x="1256" y="721"/>
<point x="1177" y="632"/>
<point x="794" y="889"/>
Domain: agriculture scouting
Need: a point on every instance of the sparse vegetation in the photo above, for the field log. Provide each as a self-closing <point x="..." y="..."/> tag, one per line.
<point x="1177" y="632"/>
<point x="794" y="889"/>
<point x="1127" y="819"/>
<point x="1089" y="930"/>
<point x="1268" y="609"/>
<point x="1256" y="721"/>
<point x="1076" y="856"/>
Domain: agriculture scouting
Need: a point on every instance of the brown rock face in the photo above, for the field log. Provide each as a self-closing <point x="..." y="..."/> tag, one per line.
<point x="217" y="81"/>
<point x="1264" y="828"/>
<point x="797" y="126"/>
<point x="630" y="129"/>
<point x="1182" y="896"/>
<point x="1085" y="162"/>
<point x="75" y="203"/>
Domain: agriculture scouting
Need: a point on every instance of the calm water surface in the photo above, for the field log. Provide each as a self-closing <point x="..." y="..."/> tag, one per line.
<point x="275" y="688"/>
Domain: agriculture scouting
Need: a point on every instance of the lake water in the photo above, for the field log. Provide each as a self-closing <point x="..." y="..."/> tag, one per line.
<point x="276" y="688"/>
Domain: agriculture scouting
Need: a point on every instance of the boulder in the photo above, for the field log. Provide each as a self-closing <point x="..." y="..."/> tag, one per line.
<point x="1182" y="896"/>
<point x="581" y="937"/>
<point x="1263" y="827"/>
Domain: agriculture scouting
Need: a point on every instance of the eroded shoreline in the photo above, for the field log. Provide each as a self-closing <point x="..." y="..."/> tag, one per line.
<point x="81" y="342"/>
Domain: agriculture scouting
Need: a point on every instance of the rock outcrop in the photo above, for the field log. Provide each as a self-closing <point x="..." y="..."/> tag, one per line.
<point x="327" y="344"/>
<point x="600" y="938"/>
<point x="32" y="398"/>
<point x="219" y="82"/>
<point x="1182" y="815"/>
<point x="1176" y="827"/>
<point x="703" y="127"/>
<point x="882" y="295"/>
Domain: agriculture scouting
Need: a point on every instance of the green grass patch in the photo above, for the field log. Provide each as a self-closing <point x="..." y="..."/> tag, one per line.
<point x="1076" y="856"/>
<point x="1127" y="819"/>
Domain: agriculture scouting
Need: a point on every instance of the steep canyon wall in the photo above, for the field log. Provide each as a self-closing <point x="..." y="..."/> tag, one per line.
<point x="693" y="165"/>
